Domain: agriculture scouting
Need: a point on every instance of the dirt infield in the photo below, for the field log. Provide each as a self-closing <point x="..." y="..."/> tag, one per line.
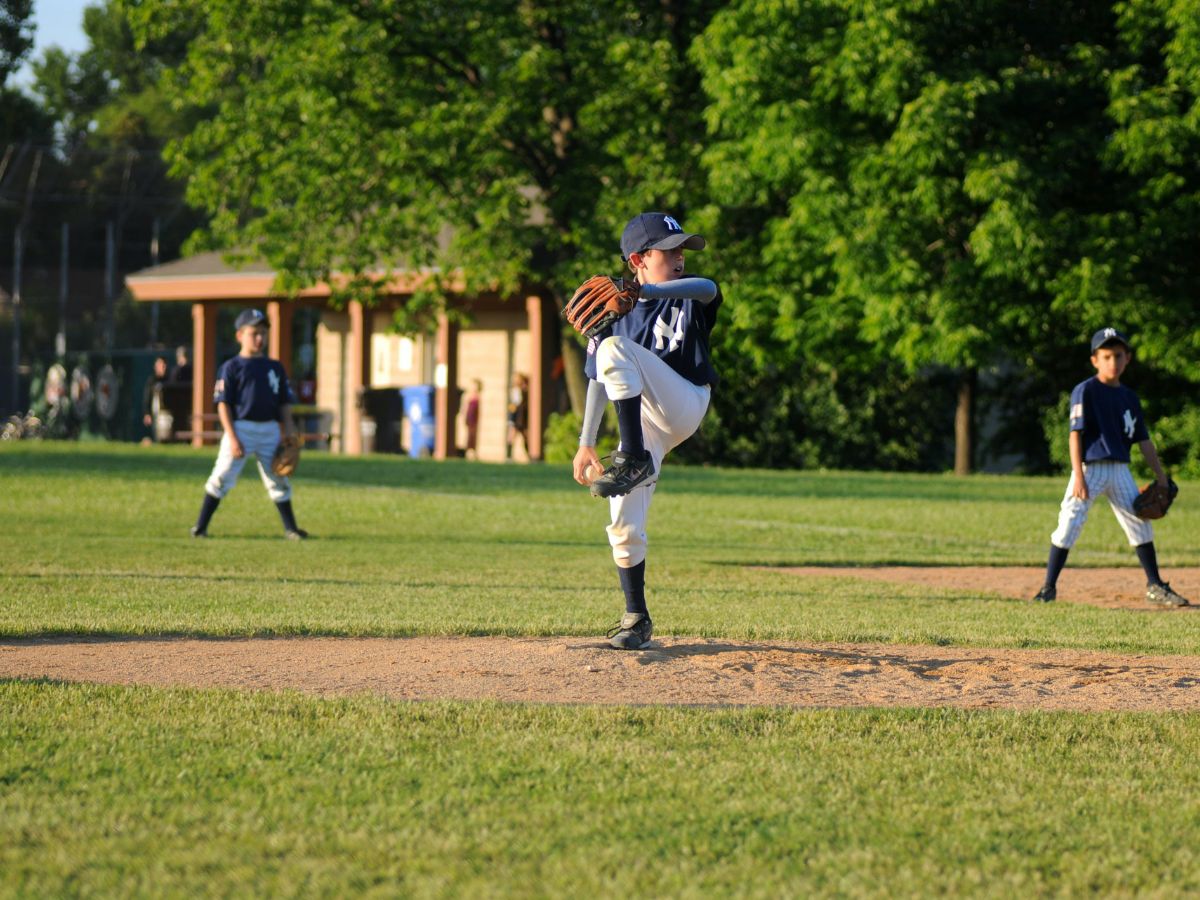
<point x="1123" y="588"/>
<point x="684" y="671"/>
<point x="675" y="670"/>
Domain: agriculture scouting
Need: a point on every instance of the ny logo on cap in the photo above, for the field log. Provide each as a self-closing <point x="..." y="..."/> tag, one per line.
<point x="1110" y="332"/>
<point x="671" y="224"/>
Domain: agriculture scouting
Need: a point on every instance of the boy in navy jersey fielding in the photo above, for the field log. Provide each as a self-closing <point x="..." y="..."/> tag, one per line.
<point x="654" y="365"/>
<point x="1106" y="421"/>
<point x="254" y="402"/>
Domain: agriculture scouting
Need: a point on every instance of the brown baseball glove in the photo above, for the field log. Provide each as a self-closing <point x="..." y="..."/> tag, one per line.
<point x="1155" y="499"/>
<point x="599" y="302"/>
<point x="287" y="456"/>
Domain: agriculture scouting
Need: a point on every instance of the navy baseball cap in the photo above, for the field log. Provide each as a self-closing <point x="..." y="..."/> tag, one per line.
<point x="1106" y="336"/>
<point x="249" y="317"/>
<point x="656" y="231"/>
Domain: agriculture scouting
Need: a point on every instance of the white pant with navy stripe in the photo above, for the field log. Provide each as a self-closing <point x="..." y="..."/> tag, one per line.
<point x="672" y="409"/>
<point x="258" y="439"/>
<point x="1113" y="480"/>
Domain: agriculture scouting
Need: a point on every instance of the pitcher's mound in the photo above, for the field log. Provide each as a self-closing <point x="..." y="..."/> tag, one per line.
<point x="676" y="670"/>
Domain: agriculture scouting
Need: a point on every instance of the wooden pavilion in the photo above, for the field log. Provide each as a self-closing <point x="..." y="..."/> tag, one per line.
<point x="354" y="350"/>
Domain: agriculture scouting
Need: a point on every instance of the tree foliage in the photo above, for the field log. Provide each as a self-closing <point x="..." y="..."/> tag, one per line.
<point x="16" y="35"/>
<point x="103" y="123"/>
<point x="20" y="117"/>
<point x="946" y="182"/>
<point x="503" y="140"/>
<point x="1140" y="260"/>
<point x="897" y="194"/>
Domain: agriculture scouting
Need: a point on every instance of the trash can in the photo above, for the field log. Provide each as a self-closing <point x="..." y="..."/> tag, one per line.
<point x="381" y="418"/>
<point x="418" y="406"/>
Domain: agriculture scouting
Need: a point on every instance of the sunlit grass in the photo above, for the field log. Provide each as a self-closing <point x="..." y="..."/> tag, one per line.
<point x="97" y="542"/>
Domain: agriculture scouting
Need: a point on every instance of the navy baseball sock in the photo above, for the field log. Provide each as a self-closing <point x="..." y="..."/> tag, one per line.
<point x="633" y="583"/>
<point x="1149" y="560"/>
<point x="629" y="420"/>
<point x="1058" y="559"/>
<point x="285" y="513"/>
<point x="206" y="511"/>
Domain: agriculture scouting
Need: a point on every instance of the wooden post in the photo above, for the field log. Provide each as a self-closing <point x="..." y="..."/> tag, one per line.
<point x="204" y="366"/>
<point x="539" y="371"/>
<point x="279" y="340"/>
<point x="358" y="375"/>
<point x="445" y="395"/>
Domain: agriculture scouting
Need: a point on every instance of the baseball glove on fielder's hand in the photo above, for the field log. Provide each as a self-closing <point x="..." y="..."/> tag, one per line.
<point x="287" y="456"/>
<point x="1155" y="499"/>
<point x="599" y="302"/>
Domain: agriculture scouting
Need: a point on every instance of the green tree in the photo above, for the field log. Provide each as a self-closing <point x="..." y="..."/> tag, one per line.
<point x="505" y="141"/>
<point x="104" y="168"/>
<point x="16" y="35"/>
<point x="1140" y="267"/>
<point x="20" y="117"/>
<point x="912" y="178"/>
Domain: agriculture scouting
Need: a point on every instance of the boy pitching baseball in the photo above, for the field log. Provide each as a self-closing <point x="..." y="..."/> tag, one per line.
<point x="1106" y="421"/>
<point x="654" y="365"/>
<point x="254" y="402"/>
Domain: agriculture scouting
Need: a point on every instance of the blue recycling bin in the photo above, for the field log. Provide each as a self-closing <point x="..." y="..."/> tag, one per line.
<point x="418" y="407"/>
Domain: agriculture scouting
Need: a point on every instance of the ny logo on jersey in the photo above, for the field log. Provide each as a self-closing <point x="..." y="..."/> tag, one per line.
<point x="673" y="330"/>
<point x="273" y="377"/>
<point x="671" y="224"/>
<point x="1129" y="422"/>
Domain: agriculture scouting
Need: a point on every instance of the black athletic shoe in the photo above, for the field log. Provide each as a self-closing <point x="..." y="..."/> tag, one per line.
<point x="298" y="534"/>
<point x="1045" y="595"/>
<point x="626" y="473"/>
<point x="1162" y="595"/>
<point x="632" y="633"/>
<point x="197" y="533"/>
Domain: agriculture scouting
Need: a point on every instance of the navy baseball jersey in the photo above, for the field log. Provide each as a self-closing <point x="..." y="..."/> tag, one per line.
<point x="677" y="331"/>
<point x="1110" y="418"/>
<point x="255" y="387"/>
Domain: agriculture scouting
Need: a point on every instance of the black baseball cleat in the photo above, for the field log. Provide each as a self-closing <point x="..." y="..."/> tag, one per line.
<point x="632" y="633"/>
<point x="198" y="533"/>
<point x="1045" y="595"/>
<point x="626" y="473"/>
<point x="298" y="534"/>
<point x="1162" y="595"/>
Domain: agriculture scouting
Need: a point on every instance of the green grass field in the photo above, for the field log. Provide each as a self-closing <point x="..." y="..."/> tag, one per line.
<point x="171" y="792"/>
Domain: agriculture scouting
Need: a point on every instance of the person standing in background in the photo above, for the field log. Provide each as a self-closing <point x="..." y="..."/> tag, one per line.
<point x="518" y="415"/>
<point x="472" y="419"/>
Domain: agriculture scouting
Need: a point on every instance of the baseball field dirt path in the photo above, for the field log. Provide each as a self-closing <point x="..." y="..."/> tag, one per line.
<point x="676" y="670"/>
<point x="1122" y="588"/>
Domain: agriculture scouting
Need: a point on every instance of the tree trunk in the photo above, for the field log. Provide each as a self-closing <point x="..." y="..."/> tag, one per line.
<point x="963" y="418"/>
<point x="572" y="355"/>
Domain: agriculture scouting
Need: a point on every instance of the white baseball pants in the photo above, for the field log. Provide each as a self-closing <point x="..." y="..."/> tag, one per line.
<point x="1113" y="480"/>
<point x="672" y="409"/>
<point x="259" y="439"/>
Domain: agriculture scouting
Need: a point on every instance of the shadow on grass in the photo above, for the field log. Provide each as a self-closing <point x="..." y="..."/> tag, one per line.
<point x="291" y="581"/>
<point x="457" y="476"/>
<point x="176" y="463"/>
<point x="905" y="563"/>
<point x="876" y="564"/>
